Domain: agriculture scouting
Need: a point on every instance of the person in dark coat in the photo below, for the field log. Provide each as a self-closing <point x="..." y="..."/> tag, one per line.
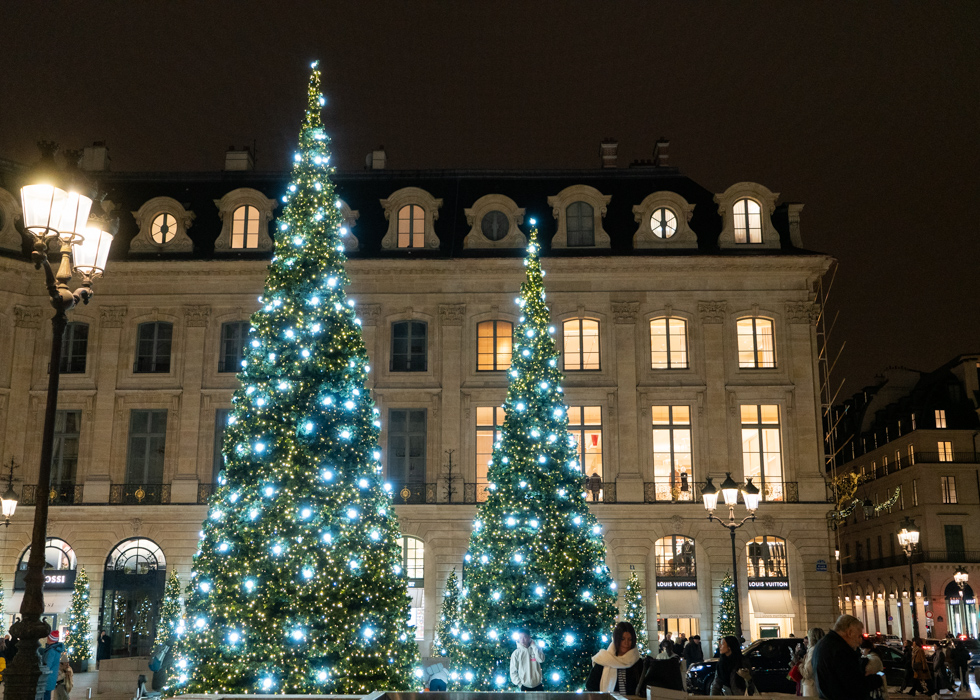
<point x="837" y="667"/>
<point x="103" y="649"/>
<point x="732" y="674"/>
<point x="907" y="665"/>
<point x="693" y="653"/>
<point x="617" y="669"/>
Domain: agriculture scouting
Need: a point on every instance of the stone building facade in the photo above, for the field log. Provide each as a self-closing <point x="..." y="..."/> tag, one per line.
<point x="687" y="323"/>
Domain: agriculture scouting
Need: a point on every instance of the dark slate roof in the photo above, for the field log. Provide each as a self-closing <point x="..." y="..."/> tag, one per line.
<point x="458" y="189"/>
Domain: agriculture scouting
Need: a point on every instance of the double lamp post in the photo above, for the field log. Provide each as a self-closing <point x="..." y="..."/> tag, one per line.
<point x="56" y="220"/>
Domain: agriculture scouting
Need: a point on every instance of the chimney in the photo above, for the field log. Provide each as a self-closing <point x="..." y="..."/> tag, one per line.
<point x="376" y="159"/>
<point x="239" y="159"/>
<point x="660" y="152"/>
<point x="607" y="149"/>
<point x="95" y="158"/>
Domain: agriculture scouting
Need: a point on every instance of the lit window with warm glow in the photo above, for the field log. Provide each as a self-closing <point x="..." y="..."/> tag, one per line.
<point x="489" y="423"/>
<point x="761" y="455"/>
<point x="756" y="343"/>
<point x="766" y="558"/>
<point x="675" y="558"/>
<point x="245" y="228"/>
<point x="668" y="343"/>
<point x="945" y="449"/>
<point x="585" y="427"/>
<point x="163" y="228"/>
<point x="494" y="340"/>
<point x="581" y="347"/>
<point x="411" y="226"/>
<point x="748" y="221"/>
<point x="663" y="223"/>
<point x="673" y="466"/>
<point x="413" y="563"/>
<point x="940" y="418"/>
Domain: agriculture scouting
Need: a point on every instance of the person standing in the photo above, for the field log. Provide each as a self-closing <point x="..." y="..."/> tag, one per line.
<point x="595" y="485"/>
<point x="50" y="657"/>
<point x="959" y="659"/>
<point x="103" y="648"/>
<point x="525" y="663"/>
<point x="66" y="679"/>
<point x="837" y="664"/>
<point x="730" y="671"/>
<point x="619" y="668"/>
<point x="808" y="685"/>
<point x="667" y="644"/>
<point x="693" y="653"/>
<point x="907" y="664"/>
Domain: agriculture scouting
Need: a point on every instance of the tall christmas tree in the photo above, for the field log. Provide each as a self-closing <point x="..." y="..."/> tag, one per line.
<point x="297" y="586"/>
<point x="726" y="613"/>
<point x="447" y="634"/>
<point x="79" y="642"/>
<point x="536" y="555"/>
<point x="171" y="615"/>
<point x="635" y="611"/>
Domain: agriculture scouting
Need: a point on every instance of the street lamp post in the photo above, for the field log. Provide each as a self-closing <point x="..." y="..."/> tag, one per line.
<point x="54" y="218"/>
<point x="908" y="537"/>
<point x="961" y="576"/>
<point x="730" y="491"/>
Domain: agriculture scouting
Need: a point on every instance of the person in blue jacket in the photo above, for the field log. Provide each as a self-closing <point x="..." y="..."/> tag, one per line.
<point x="50" y="657"/>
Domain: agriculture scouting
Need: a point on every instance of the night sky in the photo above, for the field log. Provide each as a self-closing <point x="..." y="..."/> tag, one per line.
<point x="868" y="113"/>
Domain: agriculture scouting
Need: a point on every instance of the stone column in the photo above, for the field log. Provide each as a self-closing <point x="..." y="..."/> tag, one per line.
<point x="629" y="480"/>
<point x="807" y="427"/>
<point x="714" y="422"/>
<point x="451" y="318"/>
<point x="107" y="362"/>
<point x="183" y="488"/>
<point x="27" y="323"/>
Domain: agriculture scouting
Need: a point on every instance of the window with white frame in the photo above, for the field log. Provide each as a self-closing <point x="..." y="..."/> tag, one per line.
<point x="74" y="348"/>
<point x="581" y="344"/>
<point x="494" y="344"/>
<point x="940" y="418"/>
<point x="668" y="343"/>
<point x="585" y="427"/>
<point x="64" y="454"/>
<point x="748" y="221"/>
<point x="948" y="484"/>
<point x="756" y="345"/>
<point x="945" y="449"/>
<point x="673" y="466"/>
<point x="489" y="423"/>
<point x="413" y="563"/>
<point x="147" y="446"/>
<point x="663" y="222"/>
<point x="406" y="447"/>
<point x="153" y="345"/>
<point x="409" y="346"/>
<point x="766" y="558"/>
<point x="411" y="226"/>
<point x="761" y="453"/>
<point x="234" y="334"/>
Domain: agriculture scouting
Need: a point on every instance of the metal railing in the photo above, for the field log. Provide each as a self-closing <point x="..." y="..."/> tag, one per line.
<point x="662" y="491"/>
<point x="67" y="493"/>
<point x="908" y="460"/>
<point x="407" y="492"/>
<point x="139" y="494"/>
<point x="932" y="556"/>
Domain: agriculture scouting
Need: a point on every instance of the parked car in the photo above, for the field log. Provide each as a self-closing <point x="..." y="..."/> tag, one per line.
<point x="770" y="662"/>
<point x="973" y="649"/>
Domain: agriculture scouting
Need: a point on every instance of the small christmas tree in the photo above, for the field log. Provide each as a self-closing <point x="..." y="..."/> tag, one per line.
<point x="726" y="615"/>
<point x="170" y="614"/>
<point x="298" y="585"/>
<point x="635" y="611"/>
<point x="447" y="634"/>
<point x="3" y="603"/>
<point x="79" y="642"/>
<point x="536" y="556"/>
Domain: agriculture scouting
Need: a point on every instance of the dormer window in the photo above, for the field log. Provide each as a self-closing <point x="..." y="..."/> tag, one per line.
<point x="580" y="223"/>
<point x="411" y="226"/>
<point x="748" y="221"/>
<point x="494" y="220"/>
<point x="164" y="228"/>
<point x="663" y="223"/>
<point x="411" y="213"/>
<point x="495" y="225"/>
<point x="245" y="228"/>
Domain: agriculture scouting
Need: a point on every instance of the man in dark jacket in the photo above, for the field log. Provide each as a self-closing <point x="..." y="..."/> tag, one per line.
<point x="693" y="653"/>
<point x="837" y="663"/>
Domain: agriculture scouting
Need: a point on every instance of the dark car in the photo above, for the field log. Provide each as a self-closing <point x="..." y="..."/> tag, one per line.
<point x="770" y="662"/>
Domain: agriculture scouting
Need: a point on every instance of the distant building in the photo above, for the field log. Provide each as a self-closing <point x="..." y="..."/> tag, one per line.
<point x="686" y="320"/>
<point x="916" y="435"/>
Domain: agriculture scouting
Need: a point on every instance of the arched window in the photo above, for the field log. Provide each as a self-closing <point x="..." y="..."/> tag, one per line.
<point x="163" y="228"/>
<point x="767" y="563"/>
<point x="133" y="584"/>
<point x="756" y="344"/>
<point x="668" y="343"/>
<point x="494" y="343"/>
<point x="245" y="227"/>
<point x="60" y="564"/>
<point x="413" y="562"/>
<point x="581" y="346"/>
<point x="748" y="221"/>
<point x="411" y="226"/>
<point x="580" y="224"/>
<point x="675" y="561"/>
<point x="663" y="222"/>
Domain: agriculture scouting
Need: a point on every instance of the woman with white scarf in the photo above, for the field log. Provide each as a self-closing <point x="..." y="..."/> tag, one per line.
<point x="618" y="668"/>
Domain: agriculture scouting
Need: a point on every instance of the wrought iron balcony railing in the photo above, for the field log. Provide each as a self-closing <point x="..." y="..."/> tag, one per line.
<point x="139" y="494"/>
<point x="66" y="493"/>
<point x="969" y="556"/>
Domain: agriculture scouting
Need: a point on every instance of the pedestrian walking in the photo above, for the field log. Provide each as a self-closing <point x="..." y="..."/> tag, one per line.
<point x="837" y="668"/>
<point x="922" y="673"/>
